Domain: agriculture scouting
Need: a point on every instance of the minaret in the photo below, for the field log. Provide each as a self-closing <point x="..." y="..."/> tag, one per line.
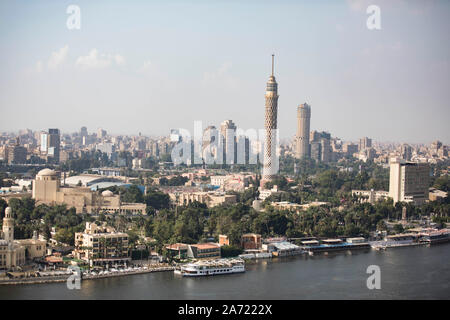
<point x="302" y="138"/>
<point x="270" y="165"/>
<point x="8" y="226"/>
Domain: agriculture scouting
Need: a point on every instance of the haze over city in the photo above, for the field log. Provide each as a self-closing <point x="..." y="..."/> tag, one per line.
<point x="150" y="66"/>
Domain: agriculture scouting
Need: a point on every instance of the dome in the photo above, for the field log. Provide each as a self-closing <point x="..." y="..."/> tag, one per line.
<point x="107" y="193"/>
<point x="46" y="172"/>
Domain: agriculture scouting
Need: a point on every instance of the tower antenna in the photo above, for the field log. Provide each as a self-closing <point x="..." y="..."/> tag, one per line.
<point x="272" y="63"/>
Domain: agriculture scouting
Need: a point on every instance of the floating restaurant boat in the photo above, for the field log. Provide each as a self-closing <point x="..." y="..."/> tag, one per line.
<point x="438" y="236"/>
<point x="331" y="245"/>
<point x="396" y="241"/>
<point x="211" y="267"/>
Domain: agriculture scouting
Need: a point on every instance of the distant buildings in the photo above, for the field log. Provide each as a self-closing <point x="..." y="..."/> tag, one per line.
<point x="320" y="146"/>
<point x="211" y="199"/>
<point x="50" y="145"/>
<point x="16" y="154"/>
<point x="365" y="143"/>
<point x="408" y="181"/>
<point x="371" y="196"/>
<point x="228" y="132"/>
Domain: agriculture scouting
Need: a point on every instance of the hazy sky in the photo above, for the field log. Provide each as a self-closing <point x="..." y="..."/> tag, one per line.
<point x="149" y="66"/>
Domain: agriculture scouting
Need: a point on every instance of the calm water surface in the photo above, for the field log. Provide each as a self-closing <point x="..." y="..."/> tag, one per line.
<point x="406" y="273"/>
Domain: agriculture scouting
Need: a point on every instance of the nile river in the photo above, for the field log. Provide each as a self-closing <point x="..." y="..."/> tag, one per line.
<point x="406" y="273"/>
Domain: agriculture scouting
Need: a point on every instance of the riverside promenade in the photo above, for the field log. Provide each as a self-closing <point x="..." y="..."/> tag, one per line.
<point x="64" y="277"/>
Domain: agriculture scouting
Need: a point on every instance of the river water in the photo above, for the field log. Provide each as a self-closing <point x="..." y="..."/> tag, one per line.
<point x="406" y="273"/>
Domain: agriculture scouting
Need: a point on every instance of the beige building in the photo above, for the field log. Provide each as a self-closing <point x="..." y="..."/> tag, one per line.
<point x="47" y="189"/>
<point x="14" y="253"/>
<point x="302" y="137"/>
<point x="409" y="181"/>
<point x="371" y="196"/>
<point x="101" y="245"/>
<point x="211" y="199"/>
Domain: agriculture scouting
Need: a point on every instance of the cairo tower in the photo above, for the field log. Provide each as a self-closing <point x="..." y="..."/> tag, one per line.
<point x="270" y="166"/>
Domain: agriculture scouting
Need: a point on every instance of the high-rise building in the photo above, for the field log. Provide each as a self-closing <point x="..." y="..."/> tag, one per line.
<point x="83" y="132"/>
<point x="302" y="148"/>
<point x="316" y="151"/>
<point x="320" y="144"/>
<point x="228" y="132"/>
<point x="406" y="152"/>
<point x="349" y="148"/>
<point x="16" y="154"/>
<point x="212" y="146"/>
<point x="54" y="144"/>
<point x="270" y="165"/>
<point x="326" y="150"/>
<point x="44" y="142"/>
<point x="101" y="133"/>
<point x="365" y="143"/>
<point x="408" y="181"/>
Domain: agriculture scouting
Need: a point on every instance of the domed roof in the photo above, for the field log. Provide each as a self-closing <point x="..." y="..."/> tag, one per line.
<point x="46" y="172"/>
<point x="107" y="193"/>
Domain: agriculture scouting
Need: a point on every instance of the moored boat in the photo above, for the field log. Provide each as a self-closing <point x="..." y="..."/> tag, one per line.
<point x="211" y="267"/>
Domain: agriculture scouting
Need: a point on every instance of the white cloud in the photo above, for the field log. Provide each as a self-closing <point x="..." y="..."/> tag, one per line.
<point x="58" y="57"/>
<point x="94" y="60"/>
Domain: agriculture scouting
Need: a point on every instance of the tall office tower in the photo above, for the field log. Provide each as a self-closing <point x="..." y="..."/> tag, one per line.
<point x="212" y="146"/>
<point x="101" y="133"/>
<point x="408" y="181"/>
<point x="270" y="165"/>
<point x="349" y="148"/>
<point x="54" y="144"/>
<point x="316" y="151"/>
<point x="17" y="154"/>
<point x="365" y="143"/>
<point x="83" y="132"/>
<point x="406" y="152"/>
<point x="242" y="150"/>
<point x="302" y="148"/>
<point x="326" y="150"/>
<point x="44" y="142"/>
<point x="228" y="132"/>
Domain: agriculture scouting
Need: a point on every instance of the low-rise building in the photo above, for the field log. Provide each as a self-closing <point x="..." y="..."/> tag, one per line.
<point x="204" y="251"/>
<point x="251" y="241"/>
<point x="211" y="199"/>
<point x="178" y="250"/>
<point x="371" y="196"/>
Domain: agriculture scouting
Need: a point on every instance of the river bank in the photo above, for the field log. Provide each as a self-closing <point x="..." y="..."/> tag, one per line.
<point x="63" y="278"/>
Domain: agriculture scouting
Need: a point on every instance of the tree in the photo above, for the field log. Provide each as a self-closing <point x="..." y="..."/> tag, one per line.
<point x="64" y="235"/>
<point x="133" y="195"/>
<point x="398" y="228"/>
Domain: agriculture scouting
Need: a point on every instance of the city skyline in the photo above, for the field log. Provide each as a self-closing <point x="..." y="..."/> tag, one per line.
<point x="359" y="82"/>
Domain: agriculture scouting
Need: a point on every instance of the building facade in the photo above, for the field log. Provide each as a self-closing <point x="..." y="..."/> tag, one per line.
<point x="409" y="181"/>
<point x="100" y="245"/>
